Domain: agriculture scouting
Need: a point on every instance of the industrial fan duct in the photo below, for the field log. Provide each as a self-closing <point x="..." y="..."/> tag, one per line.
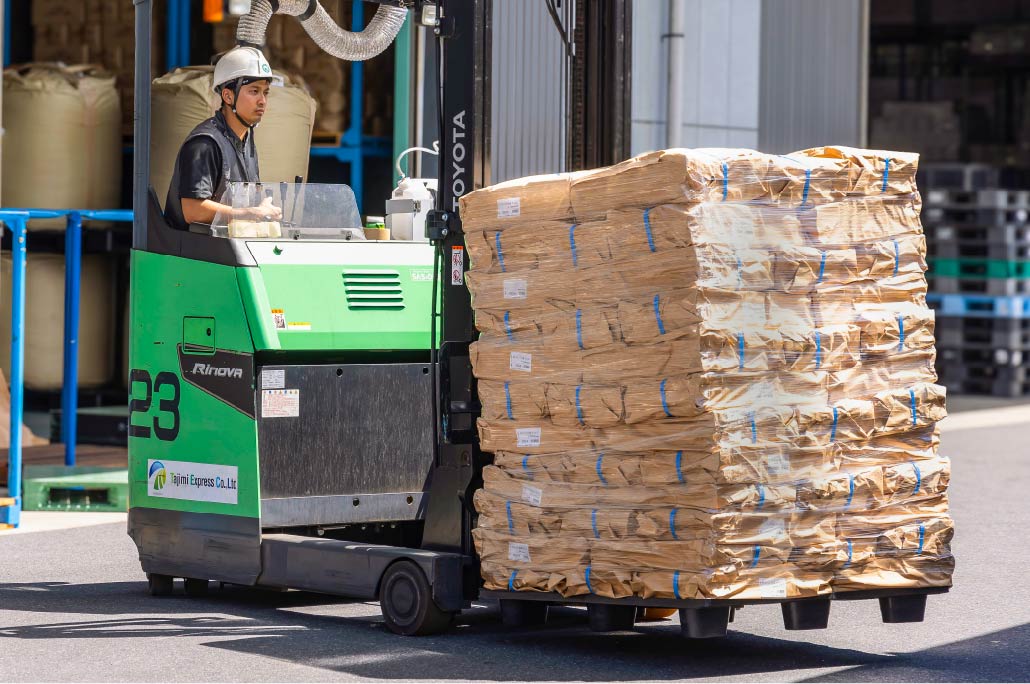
<point x="348" y="45"/>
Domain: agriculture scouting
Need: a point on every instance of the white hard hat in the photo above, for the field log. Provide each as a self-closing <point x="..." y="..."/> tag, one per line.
<point x="243" y="62"/>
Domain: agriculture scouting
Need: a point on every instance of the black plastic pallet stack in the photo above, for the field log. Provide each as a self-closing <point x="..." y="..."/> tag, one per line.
<point x="978" y="250"/>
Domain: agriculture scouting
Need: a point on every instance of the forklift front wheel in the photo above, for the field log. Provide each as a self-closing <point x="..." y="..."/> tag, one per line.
<point x="406" y="600"/>
<point x="159" y="585"/>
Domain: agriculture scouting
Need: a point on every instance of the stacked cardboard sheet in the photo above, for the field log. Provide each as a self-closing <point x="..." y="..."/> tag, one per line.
<point x="708" y="373"/>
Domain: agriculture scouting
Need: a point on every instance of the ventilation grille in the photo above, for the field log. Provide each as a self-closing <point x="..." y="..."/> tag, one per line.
<point x="373" y="290"/>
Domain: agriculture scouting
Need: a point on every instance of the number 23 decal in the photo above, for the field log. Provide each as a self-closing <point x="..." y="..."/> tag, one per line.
<point x="166" y="423"/>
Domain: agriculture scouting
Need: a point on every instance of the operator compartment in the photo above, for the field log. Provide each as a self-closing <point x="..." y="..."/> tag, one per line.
<point x="343" y="380"/>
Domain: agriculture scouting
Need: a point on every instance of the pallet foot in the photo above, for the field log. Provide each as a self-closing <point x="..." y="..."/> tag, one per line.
<point x="806" y="614"/>
<point x="704" y="623"/>
<point x="895" y="609"/>
<point x="518" y="613"/>
<point x="607" y="618"/>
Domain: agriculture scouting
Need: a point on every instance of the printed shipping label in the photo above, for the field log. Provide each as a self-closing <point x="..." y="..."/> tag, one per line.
<point x="273" y="378"/>
<point x="515" y="289"/>
<point x="528" y="437"/>
<point x="280" y="403"/>
<point x="532" y="495"/>
<point x="509" y="207"/>
<point x="777" y="464"/>
<point x="279" y="316"/>
<point x="773" y="527"/>
<point x="457" y="265"/>
<point x="772" y="587"/>
<point x="518" y="552"/>
<point x="521" y="361"/>
<point x="191" y="481"/>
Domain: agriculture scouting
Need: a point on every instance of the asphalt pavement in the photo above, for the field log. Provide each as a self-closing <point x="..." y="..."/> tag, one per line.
<point x="73" y="606"/>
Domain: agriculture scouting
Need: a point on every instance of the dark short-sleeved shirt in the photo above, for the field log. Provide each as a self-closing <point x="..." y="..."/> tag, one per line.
<point x="200" y="169"/>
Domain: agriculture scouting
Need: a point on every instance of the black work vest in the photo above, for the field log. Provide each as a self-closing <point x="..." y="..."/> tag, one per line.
<point x="236" y="167"/>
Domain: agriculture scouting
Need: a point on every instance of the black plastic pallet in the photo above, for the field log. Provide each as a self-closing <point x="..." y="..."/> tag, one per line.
<point x="960" y="332"/>
<point x="1002" y="251"/>
<point x="994" y="287"/>
<point x="117" y="240"/>
<point x="975" y="216"/>
<point x="984" y="379"/>
<point x="706" y="618"/>
<point x="946" y="232"/>
<point x="954" y="176"/>
<point x="983" y="355"/>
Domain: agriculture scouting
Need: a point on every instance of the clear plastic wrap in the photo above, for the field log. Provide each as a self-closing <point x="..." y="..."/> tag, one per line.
<point x="708" y="374"/>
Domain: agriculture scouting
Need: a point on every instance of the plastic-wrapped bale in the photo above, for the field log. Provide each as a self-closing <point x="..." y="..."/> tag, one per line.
<point x="63" y="141"/>
<point x="708" y="374"/>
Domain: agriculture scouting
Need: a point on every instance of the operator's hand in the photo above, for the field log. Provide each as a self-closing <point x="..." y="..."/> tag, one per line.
<point x="266" y="211"/>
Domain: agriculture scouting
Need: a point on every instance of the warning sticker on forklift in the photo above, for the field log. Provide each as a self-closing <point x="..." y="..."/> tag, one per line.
<point x="273" y="378"/>
<point x="521" y="361"/>
<point x="298" y="326"/>
<point x="280" y="403"/>
<point x="518" y="552"/>
<point x="509" y="207"/>
<point x="457" y="265"/>
<point x="279" y="316"/>
<point x="532" y="495"/>
<point x="772" y="587"/>
<point x="515" y="289"/>
<point x="528" y="437"/>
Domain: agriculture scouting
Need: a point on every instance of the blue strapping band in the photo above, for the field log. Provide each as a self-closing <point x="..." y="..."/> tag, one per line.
<point x="597" y="467"/>
<point x="665" y="404"/>
<point x="507" y="401"/>
<point x="822" y="267"/>
<point x="886" y="169"/>
<point x="754" y="428"/>
<point x="851" y="491"/>
<point x="808" y="182"/>
<point x="922" y="538"/>
<point x="851" y="550"/>
<point x="676" y="584"/>
<point x="579" y="328"/>
<point x="586" y="576"/>
<point x="525" y="465"/>
<point x="647" y="227"/>
<point x="818" y="349"/>
<point x="593" y="523"/>
<point x="511" y="524"/>
<point x="740" y="348"/>
<point x="679" y="467"/>
<point x="756" y="556"/>
<point x="658" y="316"/>
<point x="833" y="428"/>
<point x="672" y="523"/>
<point x="725" y="180"/>
<point x="579" y="409"/>
<point x="572" y="245"/>
<point x="511" y="580"/>
<point x="919" y="477"/>
<point x="897" y="256"/>
<point x="761" y="494"/>
<point x="507" y="326"/>
<point x="912" y="399"/>
<point x="901" y="332"/>
<point x="500" y="252"/>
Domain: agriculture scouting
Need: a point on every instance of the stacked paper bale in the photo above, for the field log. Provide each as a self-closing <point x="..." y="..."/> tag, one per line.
<point x="708" y="373"/>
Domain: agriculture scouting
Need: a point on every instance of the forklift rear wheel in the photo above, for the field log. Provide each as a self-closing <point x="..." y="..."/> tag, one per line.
<point x="159" y="585"/>
<point x="196" y="587"/>
<point x="406" y="599"/>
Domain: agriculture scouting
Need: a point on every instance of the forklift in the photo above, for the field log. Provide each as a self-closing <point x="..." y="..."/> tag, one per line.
<point x="303" y="409"/>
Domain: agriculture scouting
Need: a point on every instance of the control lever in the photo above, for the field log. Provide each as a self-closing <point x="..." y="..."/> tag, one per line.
<point x="296" y="192"/>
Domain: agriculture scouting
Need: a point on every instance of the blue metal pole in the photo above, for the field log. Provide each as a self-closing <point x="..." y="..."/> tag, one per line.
<point x="12" y="514"/>
<point x="70" y="388"/>
<point x="184" y="33"/>
<point x="7" y="33"/>
<point x="172" y="36"/>
<point x="357" y="72"/>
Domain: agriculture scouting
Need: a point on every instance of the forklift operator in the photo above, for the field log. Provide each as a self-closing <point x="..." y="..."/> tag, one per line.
<point x="221" y="150"/>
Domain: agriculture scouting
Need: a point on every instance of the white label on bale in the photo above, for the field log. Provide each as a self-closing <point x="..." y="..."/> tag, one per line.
<point x="273" y="378"/>
<point x="527" y="437"/>
<point x="532" y="495"/>
<point x="518" y="552"/>
<point x="772" y="587"/>
<point x="515" y="289"/>
<point x="777" y="464"/>
<point x="521" y="361"/>
<point x="774" y="528"/>
<point x="280" y="403"/>
<point x="457" y="265"/>
<point x="509" y="207"/>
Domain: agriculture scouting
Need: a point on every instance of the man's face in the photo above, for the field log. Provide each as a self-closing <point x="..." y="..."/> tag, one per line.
<point x="252" y="100"/>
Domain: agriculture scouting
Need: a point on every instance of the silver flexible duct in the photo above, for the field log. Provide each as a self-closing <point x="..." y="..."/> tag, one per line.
<point x="353" y="47"/>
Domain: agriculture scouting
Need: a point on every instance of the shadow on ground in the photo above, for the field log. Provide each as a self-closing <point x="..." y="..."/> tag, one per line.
<point x="273" y="624"/>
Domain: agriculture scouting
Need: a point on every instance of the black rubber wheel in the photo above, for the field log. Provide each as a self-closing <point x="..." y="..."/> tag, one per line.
<point x="196" y="588"/>
<point x="406" y="600"/>
<point x="159" y="585"/>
